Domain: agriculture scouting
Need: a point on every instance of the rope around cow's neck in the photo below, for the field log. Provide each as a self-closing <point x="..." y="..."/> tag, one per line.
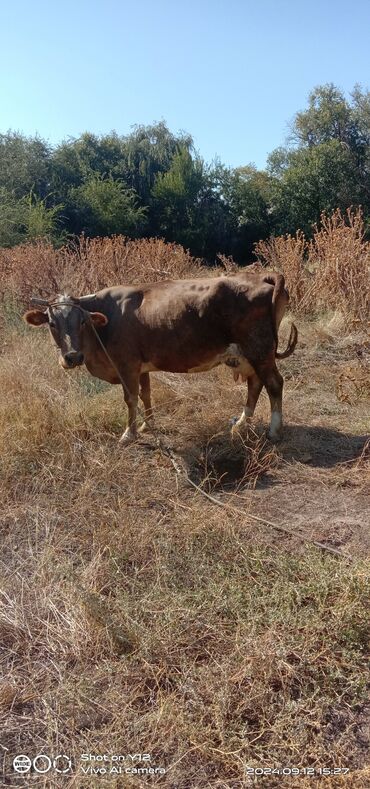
<point x="181" y="472"/>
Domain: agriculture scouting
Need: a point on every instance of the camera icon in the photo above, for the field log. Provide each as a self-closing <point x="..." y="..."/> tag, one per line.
<point x="42" y="763"/>
<point x="22" y="763"/>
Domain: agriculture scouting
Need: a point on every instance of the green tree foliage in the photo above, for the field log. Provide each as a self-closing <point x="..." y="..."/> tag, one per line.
<point x="188" y="206"/>
<point x="153" y="182"/>
<point x="148" y="152"/>
<point x="328" y="165"/>
<point x="328" y="117"/>
<point x="24" y="165"/>
<point x="107" y="207"/>
<point x="247" y="191"/>
<point x="134" y="160"/>
<point x="177" y="193"/>
<point x="76" y="161"/>
<point x="40" y="221"/>
<point x="315" y="179"/>
<point x="27" y="219"/>
<point x="12" y="219"/>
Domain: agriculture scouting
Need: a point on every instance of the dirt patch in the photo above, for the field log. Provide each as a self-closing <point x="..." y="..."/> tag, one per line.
<point x="352" y="724"/>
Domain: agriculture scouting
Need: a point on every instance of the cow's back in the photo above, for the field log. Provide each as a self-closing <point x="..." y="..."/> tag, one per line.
<point x="180" y="325"/>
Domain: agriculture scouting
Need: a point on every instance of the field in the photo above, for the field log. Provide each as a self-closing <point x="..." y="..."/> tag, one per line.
<point x="138" y="615"/>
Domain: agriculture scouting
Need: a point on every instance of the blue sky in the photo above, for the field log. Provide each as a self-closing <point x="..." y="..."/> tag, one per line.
<point x="230" y="72"/>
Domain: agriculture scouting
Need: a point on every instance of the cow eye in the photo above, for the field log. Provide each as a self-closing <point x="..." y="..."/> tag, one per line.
<point x="52" y="324"/>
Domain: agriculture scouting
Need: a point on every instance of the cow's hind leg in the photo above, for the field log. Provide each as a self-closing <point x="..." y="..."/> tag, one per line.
<point x="254" y="390"/>
<point x="144" y="393"/>
<point x="273" y="382"/>
<point x="130" y="393"/>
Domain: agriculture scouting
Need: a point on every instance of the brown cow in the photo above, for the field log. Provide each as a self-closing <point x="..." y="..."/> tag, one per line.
<point x="179" y="326"/>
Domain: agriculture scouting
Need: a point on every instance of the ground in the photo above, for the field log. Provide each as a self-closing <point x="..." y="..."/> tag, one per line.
<point x="140" y="617"/>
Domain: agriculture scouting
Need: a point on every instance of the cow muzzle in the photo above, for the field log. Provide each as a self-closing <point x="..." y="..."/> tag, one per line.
<point x="72" y="359"/>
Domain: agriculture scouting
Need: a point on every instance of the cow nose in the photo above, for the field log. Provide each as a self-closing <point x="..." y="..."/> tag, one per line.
<point x="74" y="358"/>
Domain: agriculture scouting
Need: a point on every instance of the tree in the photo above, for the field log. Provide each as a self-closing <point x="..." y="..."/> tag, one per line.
<point x="177" y="191"/>
<point x="246" y="191"/>
<point x="27" y="219"/>
<point x="361" y="113"/>
<point x="41" y="221"/>
<point x="314" y="180"/>
<point x="105" y="207"/>
<point x="328" y="117"/>
<point x="134" y="160"/>
<point x="188" y="207"/>
<point x="24" y="165"/>
<point x="12" y="219"/>
<point x="327" y="164"/>
<point x="75" y="161"/>
<point x="153" y="181"/>
<point x="148" y="152"/>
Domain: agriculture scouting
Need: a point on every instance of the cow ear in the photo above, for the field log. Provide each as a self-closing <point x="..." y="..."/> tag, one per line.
<point x="98" y="319"/>
<point x="36" y="317"/>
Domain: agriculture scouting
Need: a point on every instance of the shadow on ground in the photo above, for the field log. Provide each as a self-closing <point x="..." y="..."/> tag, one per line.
<point x="322" y="447"/>
<point x="223" y="463"/>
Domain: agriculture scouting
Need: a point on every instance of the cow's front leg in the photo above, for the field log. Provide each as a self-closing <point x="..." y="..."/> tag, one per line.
<point x="144" y="393"/>
<point x="130" y="393"/>
<point x="254" y="390"/>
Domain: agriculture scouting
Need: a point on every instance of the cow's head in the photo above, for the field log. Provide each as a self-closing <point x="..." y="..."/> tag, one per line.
<point x="67" y="320"/>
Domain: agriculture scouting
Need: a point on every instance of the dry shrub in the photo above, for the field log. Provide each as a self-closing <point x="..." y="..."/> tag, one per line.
<point x="100" y="262"/>
<point x="340" y="259"/>
<point x="332" y="270"/>
<point x="227" y="265"/>
<point x="27" y="269"/>
<point x="288" y="255"/>
<point x="89" y="265"/>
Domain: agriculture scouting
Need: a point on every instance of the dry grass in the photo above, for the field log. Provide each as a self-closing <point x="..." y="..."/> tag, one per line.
<point x="137" y="617"/>
<point x="330" y="271"/>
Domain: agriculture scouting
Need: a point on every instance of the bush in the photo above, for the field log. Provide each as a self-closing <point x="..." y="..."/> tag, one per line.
<point x="331" y="270"/>
<point x="90" y="264"/>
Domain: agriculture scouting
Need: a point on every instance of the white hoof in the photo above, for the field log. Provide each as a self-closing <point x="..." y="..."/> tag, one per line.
<point x="276" y="425"/>
<point x="237" y="428"/>
<point x="238" y="423"/>
<point x="128" y="437"/>
<point x="146" y="427"/>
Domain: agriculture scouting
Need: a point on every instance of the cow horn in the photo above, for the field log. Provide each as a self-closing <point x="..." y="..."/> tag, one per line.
<point x="88" y="297"/>
<point x="39" y="302"/>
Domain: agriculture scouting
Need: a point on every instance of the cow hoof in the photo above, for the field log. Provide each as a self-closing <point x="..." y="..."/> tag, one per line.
<point x="128" y="437"/>
<point x="146" y="427"/>
<point x="239" y="424"/>
<point x="237" y="429"/>
<point x="274" y="437"/>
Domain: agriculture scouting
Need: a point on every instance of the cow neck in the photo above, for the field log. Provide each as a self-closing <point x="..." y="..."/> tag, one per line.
<point x="91" y="344"/>
<point x="93" y="352"/>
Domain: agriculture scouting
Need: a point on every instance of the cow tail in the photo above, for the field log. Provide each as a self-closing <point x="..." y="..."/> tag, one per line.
<point x="292" y="342"/>
<point x="277" y="280"/>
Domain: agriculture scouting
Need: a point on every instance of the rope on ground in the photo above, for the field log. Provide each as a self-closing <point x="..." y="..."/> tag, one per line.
<point x="181" y="472"/>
